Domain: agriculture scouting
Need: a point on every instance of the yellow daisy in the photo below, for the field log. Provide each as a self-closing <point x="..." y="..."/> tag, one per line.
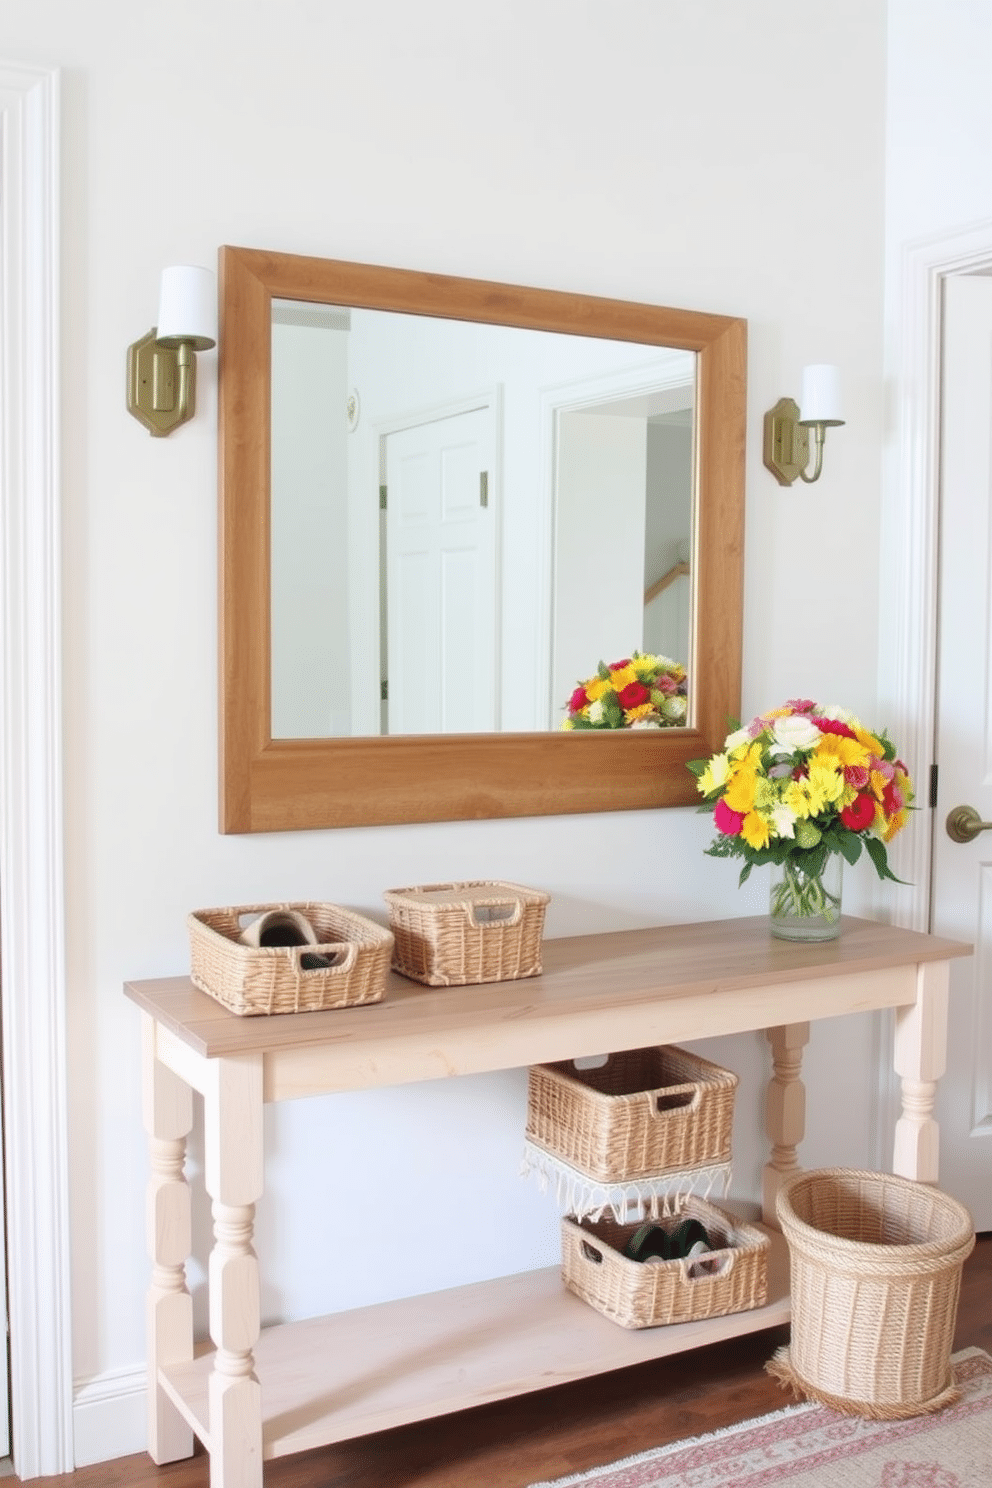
<point x="755" y="830"/>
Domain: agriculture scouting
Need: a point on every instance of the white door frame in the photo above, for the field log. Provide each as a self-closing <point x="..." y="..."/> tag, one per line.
<point x="910" y="518"/>
<point x="31" y="845"/>
<point x="910" y="511"/>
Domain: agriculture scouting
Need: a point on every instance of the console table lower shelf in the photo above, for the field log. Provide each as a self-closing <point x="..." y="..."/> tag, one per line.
<point x="328" y="1379"/>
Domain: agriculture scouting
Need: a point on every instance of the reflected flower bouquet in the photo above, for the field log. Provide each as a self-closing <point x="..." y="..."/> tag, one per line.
<point x="801" y="782"/>
<point x="638" y="692"/>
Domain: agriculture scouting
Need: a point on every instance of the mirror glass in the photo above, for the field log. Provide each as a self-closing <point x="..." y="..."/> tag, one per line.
<point x="559" y="473"/>
<point x="466" y="519"/>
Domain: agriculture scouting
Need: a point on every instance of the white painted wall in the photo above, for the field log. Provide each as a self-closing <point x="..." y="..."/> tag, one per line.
<point x="309" y="561"/>
<point x="599" y="546"/>
<point x="524" y="143"/>
<point x="668" y="538"/>
<point x="938" y="184"/>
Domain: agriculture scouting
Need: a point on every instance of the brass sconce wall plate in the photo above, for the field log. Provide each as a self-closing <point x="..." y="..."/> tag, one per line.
<point x="786" y="448"/>
<point x="161" y="384"/>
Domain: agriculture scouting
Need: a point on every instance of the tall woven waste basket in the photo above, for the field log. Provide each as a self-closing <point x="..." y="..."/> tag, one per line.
<point x="876" y="1266"/>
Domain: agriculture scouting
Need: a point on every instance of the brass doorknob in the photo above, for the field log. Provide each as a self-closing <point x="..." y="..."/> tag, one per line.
<point x="964" y="824"/>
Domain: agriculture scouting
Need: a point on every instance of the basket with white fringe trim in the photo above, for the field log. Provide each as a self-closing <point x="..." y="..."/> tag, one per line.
<point x="731" y="1277"/>
<point x="346" y="964"/>
<point x="580" y="1196"/>
<point x="876" y="1265"/>
<point x="639" y="1113"/>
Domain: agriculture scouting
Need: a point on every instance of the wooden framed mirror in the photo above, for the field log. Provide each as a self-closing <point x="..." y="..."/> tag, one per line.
<point x="272" y="784"/>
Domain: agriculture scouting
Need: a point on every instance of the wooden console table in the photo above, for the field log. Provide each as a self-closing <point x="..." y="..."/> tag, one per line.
<point x="259" y="1394"/>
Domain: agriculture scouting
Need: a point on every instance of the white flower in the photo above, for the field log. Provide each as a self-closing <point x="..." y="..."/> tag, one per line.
<point x="596" y="711"/>
<point x="783" y="820"/>
<point x="839" y="715"/>
<point x="793" y="732"/>
<point x="736" y="739"/>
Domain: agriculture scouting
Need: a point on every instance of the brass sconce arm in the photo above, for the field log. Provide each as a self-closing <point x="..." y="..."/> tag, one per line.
<point x="161" y="383"/>
<point x="161" y="367"/>
<point x="787" y="432"/>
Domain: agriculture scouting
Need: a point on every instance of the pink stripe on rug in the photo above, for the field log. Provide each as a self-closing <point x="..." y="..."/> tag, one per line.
<point x="810" y="1446"/>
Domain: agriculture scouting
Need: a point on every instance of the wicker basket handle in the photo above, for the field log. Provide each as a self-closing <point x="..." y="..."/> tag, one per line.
<point x="338" y="958"/>
<point x="669" y="1098"/>
<point x="591" y="1253"/>
<point x="709" y="1265"/>
<point x="492" y="914"/>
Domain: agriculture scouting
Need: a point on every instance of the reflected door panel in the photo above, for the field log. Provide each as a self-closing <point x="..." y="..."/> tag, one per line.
<point x="441" y="593"/>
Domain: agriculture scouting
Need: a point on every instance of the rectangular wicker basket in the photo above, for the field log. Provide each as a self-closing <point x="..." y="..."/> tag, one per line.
<point x="276" y="979"/>
<point x="455" y="934"/>
<point x="732" y="1277"/>
<point x="641" y="1113"/>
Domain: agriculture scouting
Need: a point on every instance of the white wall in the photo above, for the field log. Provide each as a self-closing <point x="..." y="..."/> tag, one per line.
<point x="599" y="546"/>
<point x="309" y="559"/>
<point x="938" y="185"/>
<point x="529" y="143"/>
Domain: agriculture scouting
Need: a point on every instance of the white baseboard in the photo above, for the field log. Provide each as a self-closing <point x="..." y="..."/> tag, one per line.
<point x="108" y="1416"/>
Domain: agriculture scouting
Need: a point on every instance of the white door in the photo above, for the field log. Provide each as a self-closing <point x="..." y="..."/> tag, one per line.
<point x="441" y="596"/>
<point x="962" y="871"/>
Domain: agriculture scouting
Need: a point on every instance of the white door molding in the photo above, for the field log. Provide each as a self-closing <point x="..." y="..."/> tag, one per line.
<point x="910" y="517"/>
<point x="909" y="523"/>
<point x="31" y="867"/>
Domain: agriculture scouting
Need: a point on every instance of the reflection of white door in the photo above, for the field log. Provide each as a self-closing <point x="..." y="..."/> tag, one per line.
<point x="962" y="872"/>
<point x="441" y="576"/>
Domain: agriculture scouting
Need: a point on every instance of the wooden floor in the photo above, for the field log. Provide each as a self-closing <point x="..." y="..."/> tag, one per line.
<point x="553" y="1432"/>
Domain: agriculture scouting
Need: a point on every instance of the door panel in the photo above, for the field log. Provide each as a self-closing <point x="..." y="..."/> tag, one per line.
<point x="962" y="871"/>
<point x="441" y="609"/>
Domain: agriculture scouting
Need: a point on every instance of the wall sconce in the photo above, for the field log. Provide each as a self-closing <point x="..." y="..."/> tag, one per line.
<point x="787" y="427"/>
<point x="161" y="367"/>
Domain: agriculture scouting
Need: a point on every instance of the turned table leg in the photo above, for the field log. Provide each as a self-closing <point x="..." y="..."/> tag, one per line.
<point x="168" y="1117"/>
<point x="785" y="1111"/>
<point x="920" y="1060"/>
<point x="233" y="1174"/>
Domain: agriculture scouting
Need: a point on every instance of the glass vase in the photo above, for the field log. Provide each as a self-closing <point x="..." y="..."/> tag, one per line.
<point x="806" y="906"/>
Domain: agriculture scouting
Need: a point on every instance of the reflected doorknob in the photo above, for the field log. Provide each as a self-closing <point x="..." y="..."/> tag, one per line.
<point x="964" y="824"/>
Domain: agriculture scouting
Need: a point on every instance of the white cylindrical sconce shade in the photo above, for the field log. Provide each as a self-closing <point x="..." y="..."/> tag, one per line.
<point x="820" y="400"/>
<point x="187" y="307"/>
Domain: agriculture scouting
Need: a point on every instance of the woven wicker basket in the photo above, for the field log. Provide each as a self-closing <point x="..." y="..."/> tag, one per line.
<point x="876" y="1271"/>
<point x="635" y="1294"/>
<point x="454" y="934"/>
<point x="642" y="1113"/>
<point x="275" y="979"/>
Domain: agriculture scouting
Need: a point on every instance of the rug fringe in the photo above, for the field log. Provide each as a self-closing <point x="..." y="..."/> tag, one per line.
<point x="780" y="1368"/>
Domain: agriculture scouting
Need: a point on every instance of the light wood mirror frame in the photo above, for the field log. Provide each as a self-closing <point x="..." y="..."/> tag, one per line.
<point x="269" y="785"/>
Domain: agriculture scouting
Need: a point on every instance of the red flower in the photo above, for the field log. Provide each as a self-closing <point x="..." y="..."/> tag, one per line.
<point x="857" y="775"/>
<point x="728" y="822"/>
<point x="834" y="726"/>
<point x="892" y="799"/>
<point x="633" y="695"/>
<point x="860" y="813"/>
<point x="616" y="666"/>
<point x="578" y="700"/>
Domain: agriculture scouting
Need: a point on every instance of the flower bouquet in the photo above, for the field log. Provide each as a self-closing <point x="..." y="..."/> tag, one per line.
<point x="638" y="692"/>
<point x="805" y="788"/>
